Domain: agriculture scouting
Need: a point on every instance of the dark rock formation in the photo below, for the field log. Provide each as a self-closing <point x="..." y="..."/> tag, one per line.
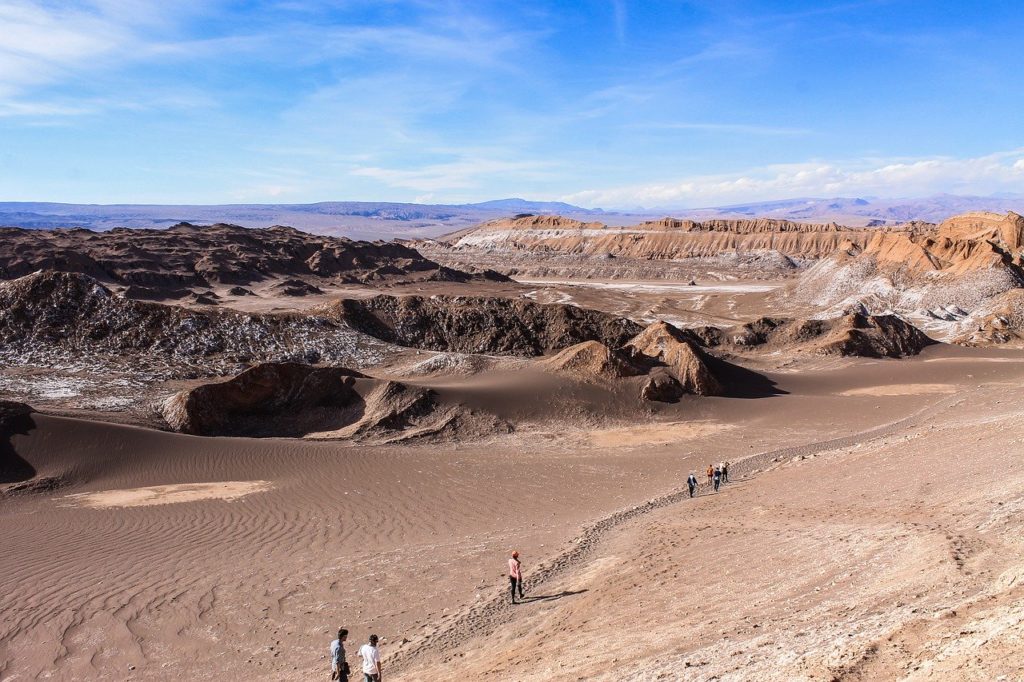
<point x="662" y="387"/>
<point x="465" y="324"/>
<point x="53" y="317"/>
<point x="592" y="360"/>
<point x="283" y="399"/>
<point x="853" y="334"/>
<point x="188" y="256"/>
<point x="663" y="344"/>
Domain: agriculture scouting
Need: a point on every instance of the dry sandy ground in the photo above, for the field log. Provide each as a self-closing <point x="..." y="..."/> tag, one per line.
<point x="157" y="555"/>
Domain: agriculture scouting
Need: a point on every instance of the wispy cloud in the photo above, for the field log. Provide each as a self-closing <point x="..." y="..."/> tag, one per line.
<point x="727" y="128"/>
<point x="462" y="174"/>
<point x="1002" y="171"/>
<point x="619" y="13"/>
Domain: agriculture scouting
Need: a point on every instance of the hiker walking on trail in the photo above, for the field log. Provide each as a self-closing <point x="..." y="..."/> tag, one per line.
<point x="711" y="472"/>
<point x="372" y="670"/>
<point x="339" y="666"/>
<point x="691" y="483"/>
<point x="717" y="477"/>
<point x="515" y="576"/>
<point x="725" y="472"/>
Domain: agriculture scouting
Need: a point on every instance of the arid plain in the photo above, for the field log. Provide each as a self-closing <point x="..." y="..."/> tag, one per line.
<point x="240" y="440"/>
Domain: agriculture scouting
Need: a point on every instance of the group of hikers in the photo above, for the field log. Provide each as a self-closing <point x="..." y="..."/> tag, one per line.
<point x="340" y="670"/>
<point x="717" y="475"/>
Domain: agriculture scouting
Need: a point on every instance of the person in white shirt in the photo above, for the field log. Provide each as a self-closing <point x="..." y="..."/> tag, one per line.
<point x="371" y="660"/>
<point x="339" y="666"/>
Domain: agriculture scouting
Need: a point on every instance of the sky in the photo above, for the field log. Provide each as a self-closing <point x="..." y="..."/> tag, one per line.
<point x="601" y="103"/>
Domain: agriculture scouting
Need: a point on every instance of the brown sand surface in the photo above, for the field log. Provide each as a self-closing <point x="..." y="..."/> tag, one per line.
<point x="409" y="541"/>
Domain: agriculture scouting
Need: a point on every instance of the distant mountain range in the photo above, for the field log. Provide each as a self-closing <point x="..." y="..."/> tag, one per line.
<point x="383" y="220"/>
<point x="865" y="211"/>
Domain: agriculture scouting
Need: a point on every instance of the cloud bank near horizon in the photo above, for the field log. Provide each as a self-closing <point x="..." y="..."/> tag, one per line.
<point x="1001" y="172"/>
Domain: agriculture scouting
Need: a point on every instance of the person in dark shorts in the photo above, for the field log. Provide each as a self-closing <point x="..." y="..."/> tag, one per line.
<point x="691" y="483"/>
<point x="725" y="472"/>
<point x="711" y="473"/>
<point x="515" y="576"/>
<point x="339" y="666"/>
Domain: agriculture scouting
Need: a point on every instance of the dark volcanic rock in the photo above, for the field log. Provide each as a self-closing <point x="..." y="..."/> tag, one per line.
<point x="52" y="317"/>
<point x="854" y="334"/>
<point x="187" y="256"/>
<point x="284" y="399"/>
<point x="466" y="324"/>
<point x="12" y="411"/>
<point x="296" y="287"/>
<point x="662" y="387"/>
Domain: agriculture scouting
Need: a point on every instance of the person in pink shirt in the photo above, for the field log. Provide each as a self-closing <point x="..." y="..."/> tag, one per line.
<point x="515" y="576"/>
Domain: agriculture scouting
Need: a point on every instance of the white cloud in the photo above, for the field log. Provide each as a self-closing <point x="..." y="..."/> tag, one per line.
<point x="1001" y="171"/>
<point x="464" y="173"/>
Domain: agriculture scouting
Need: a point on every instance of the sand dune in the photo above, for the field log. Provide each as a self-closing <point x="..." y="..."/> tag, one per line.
<point x="344" y="535"/>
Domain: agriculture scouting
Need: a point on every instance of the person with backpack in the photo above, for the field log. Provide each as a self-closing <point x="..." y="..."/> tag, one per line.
<point x="372" y="670"/>
<point x="691" y="483"/>
<point x="339" y="666"/>
<point x="515" y="576"/>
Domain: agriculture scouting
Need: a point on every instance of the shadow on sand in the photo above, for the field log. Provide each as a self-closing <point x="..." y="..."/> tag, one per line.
<point x="550" y="597"/>
<point x="13" y="468"/>
<point x="741" y="382"/>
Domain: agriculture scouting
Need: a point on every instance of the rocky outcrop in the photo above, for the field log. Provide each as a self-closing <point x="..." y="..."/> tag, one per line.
<point x="592" y="360"/>
<point x="50" y="318"/>
<point x="853" y="334"/>
<point x="466" y="324"/>
<point x="294" y="400"/>
<point x="183" y="257"/>
<point x="666" y="239"/>
<point x="284" y="399"/>
<point x="962" y="262"/>
<point x="11" y="412"/>
<point x="999" y="322"/>
<point x="662" y="387"/>
<point x="663" y="344"/>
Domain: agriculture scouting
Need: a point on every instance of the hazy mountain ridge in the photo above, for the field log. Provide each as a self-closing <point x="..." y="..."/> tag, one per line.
<point x="386" y="220"/>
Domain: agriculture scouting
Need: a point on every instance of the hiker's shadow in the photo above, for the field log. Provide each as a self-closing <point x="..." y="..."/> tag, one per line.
<point x="551" y="597"/>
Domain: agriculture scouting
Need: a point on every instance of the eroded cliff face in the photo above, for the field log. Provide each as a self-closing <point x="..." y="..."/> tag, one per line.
<point x="554" y="247"/>
<point x="952" y="273"/>
<point x="665" y="239"/>
<point x="959" y="262"/>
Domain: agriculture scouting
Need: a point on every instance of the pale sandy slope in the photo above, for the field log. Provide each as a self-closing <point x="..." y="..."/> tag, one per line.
<point x="222" y="559"/>
<point x="900" y="558"/>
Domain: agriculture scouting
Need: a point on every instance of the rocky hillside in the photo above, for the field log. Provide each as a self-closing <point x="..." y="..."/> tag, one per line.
<point x="496" y="326"/>
<point x="853" y="334"/>
<point x="947" y="272"/>
<point x="177" y="261"/>
<point x="57" y="318"/>
<point x="665" y="239"/>
<point x="296" y="400"/>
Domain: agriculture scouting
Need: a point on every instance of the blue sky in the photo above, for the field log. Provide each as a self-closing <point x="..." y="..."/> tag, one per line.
<point x="606" y="103"/>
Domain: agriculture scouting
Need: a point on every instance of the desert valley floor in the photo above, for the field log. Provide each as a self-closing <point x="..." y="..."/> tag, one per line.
<point x="870" y="529"/>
